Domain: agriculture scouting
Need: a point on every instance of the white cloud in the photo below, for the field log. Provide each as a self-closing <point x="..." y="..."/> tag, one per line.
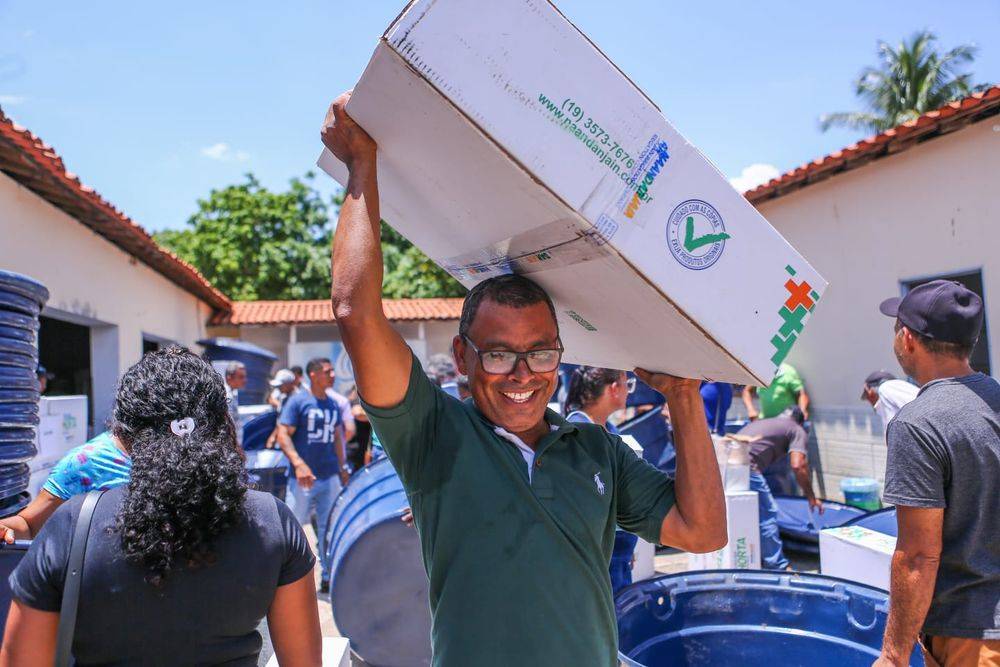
<point x="28" y="34"/>
<point x="224" y="153"/>
<point x="11" y="100"/>
<point x="754" y="175"/>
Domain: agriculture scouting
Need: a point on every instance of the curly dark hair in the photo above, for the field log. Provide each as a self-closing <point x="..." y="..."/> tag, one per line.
<point x="184" y="491"/>
<point x="586" y="384"/>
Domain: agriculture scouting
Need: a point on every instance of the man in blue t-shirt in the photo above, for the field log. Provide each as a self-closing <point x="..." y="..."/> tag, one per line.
<point x="309" y="434"/>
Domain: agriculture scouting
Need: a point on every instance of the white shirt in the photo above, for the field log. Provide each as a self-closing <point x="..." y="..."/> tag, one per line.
<point x="527" y="453"/>
<point x="893" y="395"/>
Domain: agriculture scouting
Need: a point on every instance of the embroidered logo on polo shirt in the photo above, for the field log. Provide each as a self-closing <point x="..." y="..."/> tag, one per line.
<point x="599" y="483"/>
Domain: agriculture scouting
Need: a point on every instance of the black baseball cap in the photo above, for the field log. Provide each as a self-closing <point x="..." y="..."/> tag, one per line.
<point x="875" y="379"/>
<point x="942" y="310"/>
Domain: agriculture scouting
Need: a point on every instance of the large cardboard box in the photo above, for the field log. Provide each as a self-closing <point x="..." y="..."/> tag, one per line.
<point x="858" y="554"/>
<point x="743" y="527"/>
<point x="509" y="143"/>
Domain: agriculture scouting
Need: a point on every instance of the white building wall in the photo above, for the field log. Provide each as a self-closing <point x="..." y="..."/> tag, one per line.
<point x="95" y="283"/>
<point x="933" y="209"/>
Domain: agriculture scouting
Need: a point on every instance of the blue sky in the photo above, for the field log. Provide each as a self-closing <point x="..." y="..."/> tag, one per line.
<point x="155" y="104"/>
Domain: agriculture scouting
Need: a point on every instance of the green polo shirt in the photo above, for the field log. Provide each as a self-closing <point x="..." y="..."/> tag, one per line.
<point x="782" y="393"/>
<point x="518" y="569"/>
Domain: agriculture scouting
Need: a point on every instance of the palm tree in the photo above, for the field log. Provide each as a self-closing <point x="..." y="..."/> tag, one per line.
<point x="913" y="78"/>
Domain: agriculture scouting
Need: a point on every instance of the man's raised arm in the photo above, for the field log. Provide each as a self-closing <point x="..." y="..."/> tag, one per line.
<point x="380" y="357"/>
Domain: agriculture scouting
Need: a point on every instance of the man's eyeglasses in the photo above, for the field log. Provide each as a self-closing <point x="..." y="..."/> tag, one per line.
<point x="503" y="362"/>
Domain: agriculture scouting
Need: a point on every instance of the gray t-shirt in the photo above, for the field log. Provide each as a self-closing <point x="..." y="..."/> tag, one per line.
<point x="203" y="616"/>
<point x="944" y="451"/>
<point x="778" y="436"/>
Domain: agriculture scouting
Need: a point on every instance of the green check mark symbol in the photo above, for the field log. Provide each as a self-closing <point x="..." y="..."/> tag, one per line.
<point x="691" y="243"/>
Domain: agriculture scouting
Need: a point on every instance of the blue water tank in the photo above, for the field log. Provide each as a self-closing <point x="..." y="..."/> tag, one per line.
<point x="378" y="585"/>
<point x="737" y="617"/>
<point x="257" y="360"/>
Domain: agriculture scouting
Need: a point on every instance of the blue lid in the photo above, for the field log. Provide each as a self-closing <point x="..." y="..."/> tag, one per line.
<point x="23" y="285"/>
<point x="19" y="303"/>
<point x="15" y="346"/>
<point x="17" y="452"/>
<point x="14" y="504"/>
<point x="15" y="360"/>
<point x="14" y="479"/>
<point x="9" y="318"/>
<point x="18" y="395"/>
<point x="18" y="378"/>
<point x="16" y="434"/>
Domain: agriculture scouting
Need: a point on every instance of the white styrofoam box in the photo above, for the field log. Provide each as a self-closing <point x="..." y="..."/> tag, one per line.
<point x="336" y="653"/>
<point x="509" y="143"/>
<point x="644" y="560"/>
<point x="743" y="527"/>
<point x="858" y="554"/>
<point x="62" y="426"/>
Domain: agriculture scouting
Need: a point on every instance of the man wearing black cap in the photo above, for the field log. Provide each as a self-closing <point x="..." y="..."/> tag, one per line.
<point x="943" y="475"/>
<point x="887" y="395"/>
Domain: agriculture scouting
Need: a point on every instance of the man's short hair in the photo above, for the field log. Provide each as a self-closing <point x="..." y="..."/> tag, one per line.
<point x="316" y="364"/>
<point x="507" y="290"/>
<point x="296" y="369"/>
<point x="961" y="351"/>
<point x="233" y="367"/>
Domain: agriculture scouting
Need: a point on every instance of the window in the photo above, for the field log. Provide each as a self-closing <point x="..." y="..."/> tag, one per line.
<point x="980" y="360"/>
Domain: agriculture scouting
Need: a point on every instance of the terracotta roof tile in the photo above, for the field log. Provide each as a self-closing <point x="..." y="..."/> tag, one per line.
<point x="34" y="164"/>
<point x="321" y="312"/>
<point x="950" y="117"/>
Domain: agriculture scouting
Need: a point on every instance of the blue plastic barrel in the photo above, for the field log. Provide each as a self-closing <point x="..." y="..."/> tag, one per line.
<point x="800" y="528"/>
<point x="643" y="394"/>
<point x="378" y="585"/>
<point x="257" y="360"/>
<point x="651" y="430"/>
<point x="258" y="430"/>
<point x="882" y="521"/>
<point x="10" y="556"/>
<point x="736" y="617"/>
<point x="861" y="492"/>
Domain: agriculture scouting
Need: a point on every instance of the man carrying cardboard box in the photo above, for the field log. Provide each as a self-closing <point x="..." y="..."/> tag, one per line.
<point x="943" y="476"/>
<point x="515" y="507"/>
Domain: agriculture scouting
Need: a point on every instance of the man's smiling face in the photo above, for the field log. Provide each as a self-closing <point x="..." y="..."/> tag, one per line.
<point x="515" y="401"/>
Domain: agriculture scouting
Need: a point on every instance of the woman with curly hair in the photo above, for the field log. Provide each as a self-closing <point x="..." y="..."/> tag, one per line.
<point x="184" y="561"/>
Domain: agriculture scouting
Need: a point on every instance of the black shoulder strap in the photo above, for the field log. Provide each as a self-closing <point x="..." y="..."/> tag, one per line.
<point x="74" y="577"/>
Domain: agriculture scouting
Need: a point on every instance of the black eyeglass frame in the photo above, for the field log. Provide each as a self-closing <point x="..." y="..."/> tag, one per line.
<point x="518" y="356"/>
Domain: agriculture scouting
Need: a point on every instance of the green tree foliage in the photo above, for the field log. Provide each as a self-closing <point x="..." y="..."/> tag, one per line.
<point x="409" y="273"/>
<point x="255" y="244"/>
<point x="912" y="78"/>
<point x="252" y="243"/>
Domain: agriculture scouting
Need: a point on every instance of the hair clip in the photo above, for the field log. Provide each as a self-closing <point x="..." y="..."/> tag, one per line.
<point x="182" y="427"/>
